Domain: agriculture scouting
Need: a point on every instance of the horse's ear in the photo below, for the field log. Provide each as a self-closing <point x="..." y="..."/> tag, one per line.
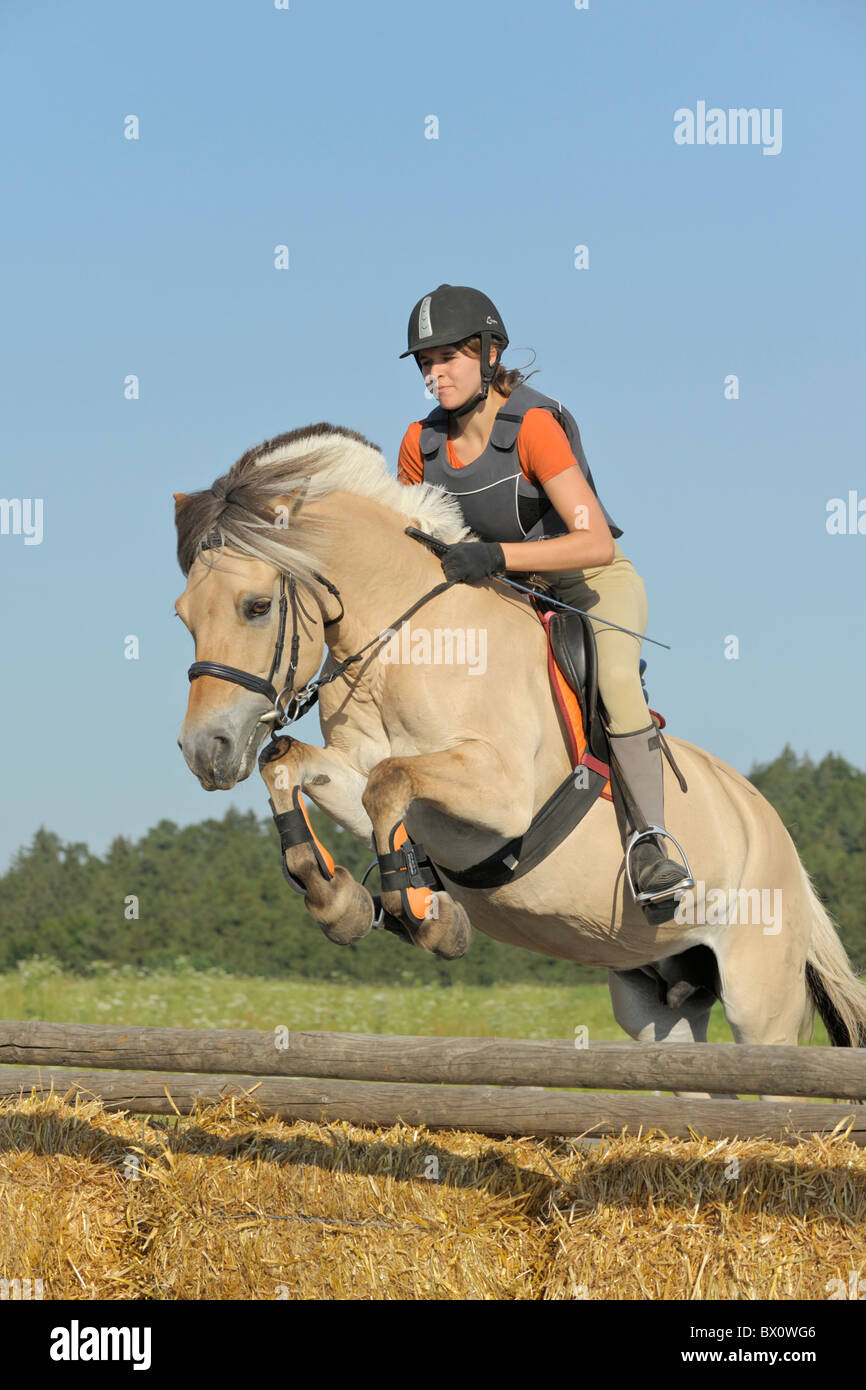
<point x="285" y="507"/>
<point x="180" y="501"/>
<point x="295" y="499"/>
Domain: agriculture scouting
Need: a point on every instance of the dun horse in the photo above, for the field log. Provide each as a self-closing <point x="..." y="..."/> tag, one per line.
<point x="460" y="757"/>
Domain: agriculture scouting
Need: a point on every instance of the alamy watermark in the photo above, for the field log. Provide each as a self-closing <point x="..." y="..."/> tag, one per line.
<point x="439" y="646"/>
<point x="77" y="1343"/>
<point x="736" y="126"/>
<point x="22" y="516"/>
<point x="21" y="1290"/>
<point x="846" y="517"/>
<point x="720" y="907"/>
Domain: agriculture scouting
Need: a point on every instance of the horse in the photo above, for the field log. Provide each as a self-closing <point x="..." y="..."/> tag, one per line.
<point x="461" y="758"/>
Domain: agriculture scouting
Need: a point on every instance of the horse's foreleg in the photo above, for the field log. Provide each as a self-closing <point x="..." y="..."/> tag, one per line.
<point x="341" y="906"/>
<point x="458" y="782"/>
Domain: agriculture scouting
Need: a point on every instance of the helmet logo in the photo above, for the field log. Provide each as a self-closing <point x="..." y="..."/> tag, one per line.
<point x="424" y="328"/>
<point x="490" y="320"/>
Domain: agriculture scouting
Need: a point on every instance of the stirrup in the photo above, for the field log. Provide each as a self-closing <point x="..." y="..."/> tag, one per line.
<point x="662" y="894"/>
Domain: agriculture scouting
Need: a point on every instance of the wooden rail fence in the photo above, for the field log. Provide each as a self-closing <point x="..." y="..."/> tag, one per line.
<point x="490" y="1085"/>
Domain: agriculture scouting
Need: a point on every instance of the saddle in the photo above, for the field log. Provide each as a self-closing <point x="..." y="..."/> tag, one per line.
<point x="573" y="665"/>
<point x="571" y="644"/>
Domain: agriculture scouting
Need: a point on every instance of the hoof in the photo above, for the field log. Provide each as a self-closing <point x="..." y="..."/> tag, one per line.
<point x="679" y="993"/>
<point x="447" y="932"/>
<point x="348" y="908"/>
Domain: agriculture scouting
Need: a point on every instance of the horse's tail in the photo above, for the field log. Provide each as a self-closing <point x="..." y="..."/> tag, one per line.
<point x="833" y="987"/>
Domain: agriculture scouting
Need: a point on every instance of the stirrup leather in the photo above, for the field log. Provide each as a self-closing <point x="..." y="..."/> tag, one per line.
<point x="662" y="894"/>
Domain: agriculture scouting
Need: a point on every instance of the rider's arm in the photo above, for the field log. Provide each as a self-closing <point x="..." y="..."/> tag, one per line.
<point x="546" y="457"/>
<point x="410" y="465"/>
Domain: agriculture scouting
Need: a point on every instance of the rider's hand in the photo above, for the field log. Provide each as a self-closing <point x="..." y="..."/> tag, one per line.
<point x="468" y="560"/>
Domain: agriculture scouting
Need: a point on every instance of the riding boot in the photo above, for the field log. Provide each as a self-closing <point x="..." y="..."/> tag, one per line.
<point x="639" y="758"/>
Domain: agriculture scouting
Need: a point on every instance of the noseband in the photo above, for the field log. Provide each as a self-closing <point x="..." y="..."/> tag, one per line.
<point x="264" y="685"/>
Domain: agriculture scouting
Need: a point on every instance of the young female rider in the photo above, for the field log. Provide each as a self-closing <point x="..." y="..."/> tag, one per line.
<point x="498" y="446"/>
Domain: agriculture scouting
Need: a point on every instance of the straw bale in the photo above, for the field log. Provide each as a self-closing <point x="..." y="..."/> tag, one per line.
<point x="229" y="1204"/>
<point x="656" y="1218"/>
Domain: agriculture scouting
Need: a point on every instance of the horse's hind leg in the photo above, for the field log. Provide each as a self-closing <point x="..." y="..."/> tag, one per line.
<point x="341" y="906"/>
<point x="762" y="973"/>
<point x="763" y="984"/>
<point x="640" y="1008"/>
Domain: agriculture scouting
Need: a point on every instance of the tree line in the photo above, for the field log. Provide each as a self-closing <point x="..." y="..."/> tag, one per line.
<point x="214" y="894"/>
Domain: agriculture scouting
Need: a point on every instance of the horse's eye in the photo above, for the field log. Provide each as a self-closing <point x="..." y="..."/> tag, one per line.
<point x="260" y="608"/>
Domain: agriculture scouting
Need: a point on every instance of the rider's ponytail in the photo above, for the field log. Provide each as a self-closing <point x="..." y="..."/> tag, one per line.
<point x="504" y="379"/>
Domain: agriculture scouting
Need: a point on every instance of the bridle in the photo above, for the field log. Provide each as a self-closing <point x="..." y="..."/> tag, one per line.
<point x="298" y="702"/>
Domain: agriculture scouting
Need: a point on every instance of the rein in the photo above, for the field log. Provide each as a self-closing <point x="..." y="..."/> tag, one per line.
<point x="298" y="702"/>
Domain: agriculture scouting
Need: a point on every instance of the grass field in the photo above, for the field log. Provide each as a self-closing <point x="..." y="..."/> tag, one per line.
<point x="185" y="998"/>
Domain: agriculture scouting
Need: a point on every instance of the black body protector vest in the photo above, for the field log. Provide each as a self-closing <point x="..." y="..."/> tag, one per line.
<point x="497" y="500"/>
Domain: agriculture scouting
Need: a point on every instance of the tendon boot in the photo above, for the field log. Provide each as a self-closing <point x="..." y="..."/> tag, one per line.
<point x="651" y="875"/>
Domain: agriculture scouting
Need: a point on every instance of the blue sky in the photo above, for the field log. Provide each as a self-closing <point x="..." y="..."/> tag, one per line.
<point x="306" y="126"/>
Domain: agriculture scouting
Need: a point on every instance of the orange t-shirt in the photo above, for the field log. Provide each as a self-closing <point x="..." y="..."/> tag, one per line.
<point x="542" y="449"/>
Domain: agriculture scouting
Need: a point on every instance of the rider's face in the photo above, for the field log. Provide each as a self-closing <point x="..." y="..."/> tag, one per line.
<point x="452" y="377"/>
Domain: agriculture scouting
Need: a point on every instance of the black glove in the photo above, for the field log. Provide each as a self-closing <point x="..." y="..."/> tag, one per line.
<point x="468" y="560"/>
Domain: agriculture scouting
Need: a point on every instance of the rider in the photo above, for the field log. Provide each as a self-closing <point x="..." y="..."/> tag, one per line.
<point x="499" y="446"/>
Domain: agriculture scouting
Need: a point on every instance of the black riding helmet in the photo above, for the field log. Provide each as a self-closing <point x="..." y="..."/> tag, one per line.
<point x="451" y="314"/>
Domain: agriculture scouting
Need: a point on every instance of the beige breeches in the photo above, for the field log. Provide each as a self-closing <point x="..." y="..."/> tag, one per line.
<point x="615" y="591"/>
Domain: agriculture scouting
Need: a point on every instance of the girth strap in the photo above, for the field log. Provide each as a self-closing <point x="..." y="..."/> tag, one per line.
<point x="555" y="820"/>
